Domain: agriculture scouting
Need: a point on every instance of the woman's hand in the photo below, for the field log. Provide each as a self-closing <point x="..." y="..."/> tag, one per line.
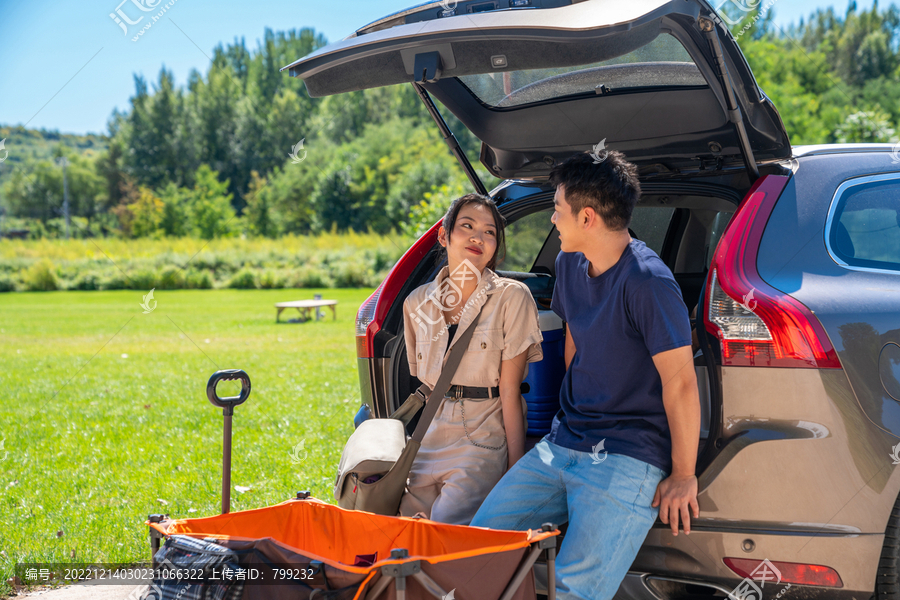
<point x="512" y="372"/>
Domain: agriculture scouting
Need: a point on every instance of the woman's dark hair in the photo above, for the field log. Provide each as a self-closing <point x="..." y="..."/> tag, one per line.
<point x="477" y="199"/>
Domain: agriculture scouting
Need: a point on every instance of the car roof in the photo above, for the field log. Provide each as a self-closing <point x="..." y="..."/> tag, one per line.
<point x="818" y="149"/>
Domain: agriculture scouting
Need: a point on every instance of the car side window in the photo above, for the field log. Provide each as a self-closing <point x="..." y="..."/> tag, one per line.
<point x="865" y="226"/>
<point x="524" y="240"/>
<point x="650" y="224"/>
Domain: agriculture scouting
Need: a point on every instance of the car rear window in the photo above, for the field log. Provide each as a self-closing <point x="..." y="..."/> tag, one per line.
<point x="662" y="63"/>
<point x="865" y="228"/>
<point x="525" y="237"/>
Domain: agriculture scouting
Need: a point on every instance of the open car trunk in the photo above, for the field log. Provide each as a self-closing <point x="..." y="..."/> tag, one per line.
<point x="662" y="81"/>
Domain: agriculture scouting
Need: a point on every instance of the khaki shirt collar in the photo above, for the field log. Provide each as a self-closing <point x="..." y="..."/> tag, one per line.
<point x="487" y="286"/>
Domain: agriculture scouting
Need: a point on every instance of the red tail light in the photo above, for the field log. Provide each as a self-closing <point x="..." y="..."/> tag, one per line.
<point x="785" y="572"/>
<point x="756" y="324"/>
<point x="371" y="314"/>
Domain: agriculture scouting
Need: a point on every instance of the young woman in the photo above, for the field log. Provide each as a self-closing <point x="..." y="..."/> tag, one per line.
<point x="479" y="429"/>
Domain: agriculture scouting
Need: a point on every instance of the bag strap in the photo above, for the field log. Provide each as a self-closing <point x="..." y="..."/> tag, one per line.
<point x="443" y="382"/>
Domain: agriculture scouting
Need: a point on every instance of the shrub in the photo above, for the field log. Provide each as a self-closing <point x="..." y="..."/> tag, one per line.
<point x="198" y="280"/>
<point x="310" y="276"/>
<point x="171" y="278"/>
<point x="116" y="281"/>
<point x="352" y="274"/>
<point x="86" y="281"/>
<point x="142" y="279"/>
<point x="243" y="280"/>
<point x="7" y="283"/>
<point x="41" y="277"/>
<point x="271" y="279"/>
<point x="382" y="260"/>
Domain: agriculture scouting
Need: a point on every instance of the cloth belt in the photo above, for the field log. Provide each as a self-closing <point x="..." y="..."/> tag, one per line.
<point x="465" y="391"/>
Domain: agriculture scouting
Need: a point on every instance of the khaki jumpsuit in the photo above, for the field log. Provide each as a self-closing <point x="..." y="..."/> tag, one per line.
<point x="464" y="454"/>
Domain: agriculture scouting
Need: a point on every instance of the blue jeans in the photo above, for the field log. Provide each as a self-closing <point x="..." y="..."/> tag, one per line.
<point x="607" y="506"/>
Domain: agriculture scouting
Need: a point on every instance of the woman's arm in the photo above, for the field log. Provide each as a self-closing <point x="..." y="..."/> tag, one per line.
<point x="570" y="347"/>
<point x="512" y="372"/>
<point x="409" y="335"/>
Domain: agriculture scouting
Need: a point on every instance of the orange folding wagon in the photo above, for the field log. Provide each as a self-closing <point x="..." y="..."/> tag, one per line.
<point x="308" y="549"/>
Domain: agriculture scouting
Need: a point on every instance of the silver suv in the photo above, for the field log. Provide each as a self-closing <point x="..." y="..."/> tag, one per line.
<point x="789" y="258"/>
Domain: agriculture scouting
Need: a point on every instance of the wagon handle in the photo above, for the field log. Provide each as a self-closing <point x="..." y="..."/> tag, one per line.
<point x="227" y="405"/>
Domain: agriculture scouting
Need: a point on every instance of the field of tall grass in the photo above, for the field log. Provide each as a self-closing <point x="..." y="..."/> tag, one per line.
<point x="327" y="260"/>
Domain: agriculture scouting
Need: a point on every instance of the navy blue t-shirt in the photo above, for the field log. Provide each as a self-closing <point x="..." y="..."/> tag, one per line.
<point x="618" y="320"/>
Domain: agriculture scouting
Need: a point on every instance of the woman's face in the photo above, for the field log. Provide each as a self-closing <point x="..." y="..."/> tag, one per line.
<point x="474" y="237"/>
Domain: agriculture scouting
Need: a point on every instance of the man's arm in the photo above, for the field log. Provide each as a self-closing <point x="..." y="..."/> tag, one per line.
<point x="676" y="495"/>
<point x="570" y="347"/>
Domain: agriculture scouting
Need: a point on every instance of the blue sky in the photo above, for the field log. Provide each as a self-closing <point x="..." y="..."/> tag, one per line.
<point x="67" y="65"/>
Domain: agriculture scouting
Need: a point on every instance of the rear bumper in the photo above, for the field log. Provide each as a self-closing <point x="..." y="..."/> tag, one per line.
<point x="691" y="567"/>
<point x="699" y="556"/>
<point x="646" y="586"/>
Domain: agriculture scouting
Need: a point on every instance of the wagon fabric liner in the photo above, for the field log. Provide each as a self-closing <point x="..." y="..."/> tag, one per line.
<point x="355" y="555"/>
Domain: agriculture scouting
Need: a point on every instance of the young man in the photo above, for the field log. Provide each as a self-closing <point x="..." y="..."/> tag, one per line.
<point x="623" y="447"/>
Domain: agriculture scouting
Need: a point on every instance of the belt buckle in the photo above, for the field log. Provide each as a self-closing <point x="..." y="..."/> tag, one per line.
<point x="459" y="392"/>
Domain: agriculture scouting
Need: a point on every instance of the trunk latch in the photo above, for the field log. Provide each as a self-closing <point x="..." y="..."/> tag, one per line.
<point x="427" y="67"/>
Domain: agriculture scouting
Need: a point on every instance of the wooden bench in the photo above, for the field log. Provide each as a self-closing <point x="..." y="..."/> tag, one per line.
<point x="304" y="307"/>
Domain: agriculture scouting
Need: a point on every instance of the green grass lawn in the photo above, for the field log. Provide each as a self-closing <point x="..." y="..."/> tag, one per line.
<point x="104" y="416"/>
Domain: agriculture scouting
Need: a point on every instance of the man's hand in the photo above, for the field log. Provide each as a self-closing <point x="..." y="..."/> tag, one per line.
<point x="677" y="496"/>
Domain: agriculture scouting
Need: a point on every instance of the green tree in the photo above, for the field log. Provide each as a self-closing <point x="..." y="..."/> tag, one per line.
<point x="147" y="214"/>
<point x="210" y="205"/>
<point x="865" y="126"/>
<point x="262" y="216"/>
<point x="39" y="194"/>
<point x="859" y="46"/>
<point x="433" y="206"/>
<point x="175" y="215"/>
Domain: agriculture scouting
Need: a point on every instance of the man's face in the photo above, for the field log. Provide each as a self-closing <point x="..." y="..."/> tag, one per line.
<point x="566" y="223"/>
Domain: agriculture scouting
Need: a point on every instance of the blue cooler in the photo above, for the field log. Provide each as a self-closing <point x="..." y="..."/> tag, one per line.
<point x="545" y="377"/>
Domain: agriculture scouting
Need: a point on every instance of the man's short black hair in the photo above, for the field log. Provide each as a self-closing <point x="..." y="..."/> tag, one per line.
<point x="611" y="187"/>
